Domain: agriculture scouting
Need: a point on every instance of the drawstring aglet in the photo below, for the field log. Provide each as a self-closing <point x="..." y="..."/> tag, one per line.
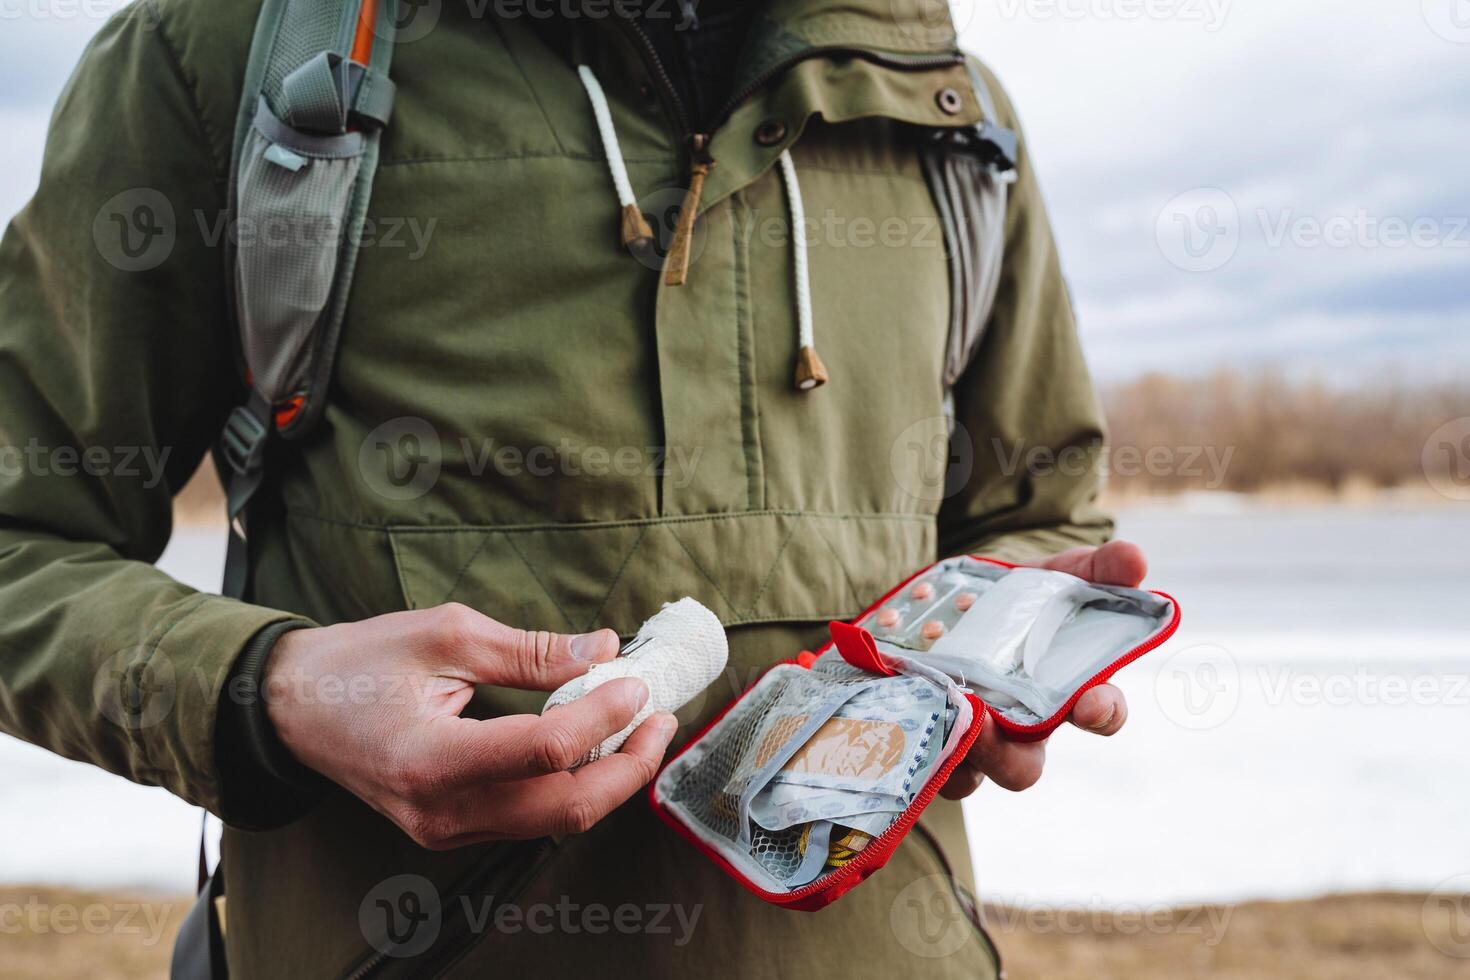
<point x="810" y="371"/>
<point x="676" y="266"/>
<point x="636" y="236"/>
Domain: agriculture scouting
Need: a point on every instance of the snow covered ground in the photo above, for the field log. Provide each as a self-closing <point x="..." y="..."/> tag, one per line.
<point x="1305" y="732"/>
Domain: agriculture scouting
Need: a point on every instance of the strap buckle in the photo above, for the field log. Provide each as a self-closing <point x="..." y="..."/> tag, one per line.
<point x="243" y="441"/>
<point x="995" y="146"/>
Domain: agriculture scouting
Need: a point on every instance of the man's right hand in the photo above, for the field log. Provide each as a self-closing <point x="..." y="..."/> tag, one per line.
<point x="375" y="707"/>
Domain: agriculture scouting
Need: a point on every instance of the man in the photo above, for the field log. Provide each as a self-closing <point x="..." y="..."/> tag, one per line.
<point x="533" y="438"/>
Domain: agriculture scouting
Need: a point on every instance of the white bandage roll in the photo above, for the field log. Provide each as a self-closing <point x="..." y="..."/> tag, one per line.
<point x="677" y="653"/>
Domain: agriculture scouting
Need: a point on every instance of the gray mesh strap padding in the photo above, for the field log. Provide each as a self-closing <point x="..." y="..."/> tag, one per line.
<point x="304" y="30"/>
<point x="290" y="232"/>
<point x="301" y="186"/>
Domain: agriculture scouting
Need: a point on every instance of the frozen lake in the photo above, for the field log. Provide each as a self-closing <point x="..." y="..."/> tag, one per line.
<point x="1305" y="732"/>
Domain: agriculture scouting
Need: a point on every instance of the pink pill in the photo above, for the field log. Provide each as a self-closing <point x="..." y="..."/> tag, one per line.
<point x="964" y="601"/>
<point x="933" y="630"/>
<point x="888" y="618"/>
<point x="922" y="591"/>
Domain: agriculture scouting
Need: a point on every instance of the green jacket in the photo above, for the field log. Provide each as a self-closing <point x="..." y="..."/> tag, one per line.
<point x="523" y="418"/>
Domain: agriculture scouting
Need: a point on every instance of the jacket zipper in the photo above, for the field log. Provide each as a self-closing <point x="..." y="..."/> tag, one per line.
<point x="456" y="934"/>
<point x="969" y="903"/>
<point x="697" y="143"/>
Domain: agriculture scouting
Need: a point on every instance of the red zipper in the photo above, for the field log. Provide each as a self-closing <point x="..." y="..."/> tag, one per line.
<point x="877" y="853"/>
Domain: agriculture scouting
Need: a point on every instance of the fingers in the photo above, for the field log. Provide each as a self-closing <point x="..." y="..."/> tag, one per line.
<point x="460" y="752"/>
<point x="1115" y="563"/>
<point x="1101" y="710"/>
<point x="564" y="802"/>
<point x="1011" y="765"/>
<point x="962" y="781"/>
<point x="490" y="652"/>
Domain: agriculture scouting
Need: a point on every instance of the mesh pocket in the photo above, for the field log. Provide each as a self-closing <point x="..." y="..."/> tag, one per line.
<point x="293" y="196"/>
<point x="762" y="728"/>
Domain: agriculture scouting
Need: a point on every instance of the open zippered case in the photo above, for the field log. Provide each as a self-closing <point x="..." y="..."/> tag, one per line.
<point x="805" y="784"/>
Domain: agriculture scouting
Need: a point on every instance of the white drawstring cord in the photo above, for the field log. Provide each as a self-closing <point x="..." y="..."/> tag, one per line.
<point x="635" y="230"/>
<point x="810" y="372"/>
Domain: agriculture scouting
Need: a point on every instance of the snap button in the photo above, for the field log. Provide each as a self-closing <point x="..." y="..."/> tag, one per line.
<point x="770" y="132"/>
<point x="949" y="101"/>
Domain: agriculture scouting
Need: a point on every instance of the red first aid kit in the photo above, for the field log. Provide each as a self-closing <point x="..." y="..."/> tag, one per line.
<point x="805" y="785"/>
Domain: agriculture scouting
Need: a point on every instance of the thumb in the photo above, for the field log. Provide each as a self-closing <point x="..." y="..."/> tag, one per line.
<point x="490" y="652"/>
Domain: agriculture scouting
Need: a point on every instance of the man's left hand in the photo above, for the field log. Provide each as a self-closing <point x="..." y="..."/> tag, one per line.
<point x="1102" y="710"/>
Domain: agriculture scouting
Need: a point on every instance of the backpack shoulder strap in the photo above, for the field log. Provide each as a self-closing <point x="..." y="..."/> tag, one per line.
<point x="316" y="97"/>
<point x="968" y="171"/>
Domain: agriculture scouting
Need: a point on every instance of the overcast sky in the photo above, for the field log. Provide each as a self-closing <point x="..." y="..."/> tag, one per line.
<point x="1249" y="182"/>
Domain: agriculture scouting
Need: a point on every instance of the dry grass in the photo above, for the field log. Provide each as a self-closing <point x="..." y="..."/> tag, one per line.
<point x="1336" y="938"/>
<point x="65" y="934"/>
<point x="1276" y="433"/>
